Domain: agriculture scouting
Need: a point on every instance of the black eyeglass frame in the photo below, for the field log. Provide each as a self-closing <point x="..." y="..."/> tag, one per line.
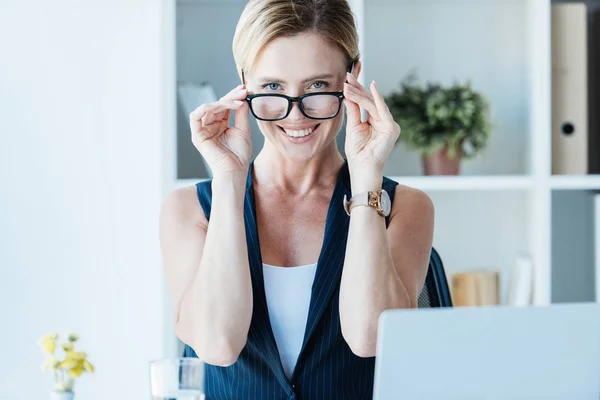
<point x="292" y="100"/>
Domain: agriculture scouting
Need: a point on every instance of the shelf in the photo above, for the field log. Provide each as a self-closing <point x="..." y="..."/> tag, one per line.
<point x="459" y="183"/>
<point x="575" y="182"/>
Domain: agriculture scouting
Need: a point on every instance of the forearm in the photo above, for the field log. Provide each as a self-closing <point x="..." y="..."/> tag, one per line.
<point x="218" y="304"/>
<point x="370" y="283"/>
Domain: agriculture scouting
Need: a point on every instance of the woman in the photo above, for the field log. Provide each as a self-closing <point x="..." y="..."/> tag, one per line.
<point x="294" y="314"/>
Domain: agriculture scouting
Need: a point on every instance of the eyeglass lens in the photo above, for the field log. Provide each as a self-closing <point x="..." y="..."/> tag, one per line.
<point x="275" y="107"/>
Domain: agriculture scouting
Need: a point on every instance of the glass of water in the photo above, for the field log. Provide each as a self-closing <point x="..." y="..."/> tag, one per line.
<point x="177" y="379"/>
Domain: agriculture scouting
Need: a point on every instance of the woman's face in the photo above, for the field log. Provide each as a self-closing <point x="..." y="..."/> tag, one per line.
<point x="294" y="66"/>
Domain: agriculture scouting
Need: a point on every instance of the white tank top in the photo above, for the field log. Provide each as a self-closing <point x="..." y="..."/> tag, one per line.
<point x="288" y="291"/>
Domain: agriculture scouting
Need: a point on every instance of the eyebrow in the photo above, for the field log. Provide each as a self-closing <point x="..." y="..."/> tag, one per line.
<point x="312" y="78"/>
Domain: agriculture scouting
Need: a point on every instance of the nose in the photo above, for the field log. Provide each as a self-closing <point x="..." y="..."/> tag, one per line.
<point x="295" y="113"/>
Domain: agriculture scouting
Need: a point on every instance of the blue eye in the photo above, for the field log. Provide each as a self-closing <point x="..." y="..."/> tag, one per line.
<point x="272" y="86"/>
<point x="319" y="85"/>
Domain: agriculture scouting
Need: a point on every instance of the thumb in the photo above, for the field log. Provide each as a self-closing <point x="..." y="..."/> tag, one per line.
<point x="353" y="113"/>
<point x="242" y="120"/>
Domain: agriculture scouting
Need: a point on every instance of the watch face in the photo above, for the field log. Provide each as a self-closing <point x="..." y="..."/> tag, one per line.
<point x="386" y="203"/>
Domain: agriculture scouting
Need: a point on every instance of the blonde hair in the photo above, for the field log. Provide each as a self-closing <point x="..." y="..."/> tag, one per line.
<point x="265" y="20"/>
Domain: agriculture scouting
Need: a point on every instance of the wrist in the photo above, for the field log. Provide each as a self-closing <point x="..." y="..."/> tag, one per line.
<point x="230" y="185"/>
<point x="365" y="179"/>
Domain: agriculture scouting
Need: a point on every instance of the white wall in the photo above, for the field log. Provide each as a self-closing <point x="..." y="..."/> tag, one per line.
<point x="80" y="192"/>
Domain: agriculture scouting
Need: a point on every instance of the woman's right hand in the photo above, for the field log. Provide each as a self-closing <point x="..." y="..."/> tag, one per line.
<point x="225" y="149"/>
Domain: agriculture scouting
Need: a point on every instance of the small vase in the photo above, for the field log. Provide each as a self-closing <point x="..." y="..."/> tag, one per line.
<point x="62" y="395"/>
<point x="440" y="163"/>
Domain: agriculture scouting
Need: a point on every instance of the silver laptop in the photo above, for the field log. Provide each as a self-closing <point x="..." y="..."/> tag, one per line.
<point x="489" y="353"/>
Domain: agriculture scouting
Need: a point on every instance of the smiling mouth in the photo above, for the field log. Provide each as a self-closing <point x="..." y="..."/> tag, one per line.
<point x="299" y="133"/>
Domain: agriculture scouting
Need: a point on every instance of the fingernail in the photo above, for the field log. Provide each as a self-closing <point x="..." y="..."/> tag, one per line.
<point x="238" y="102"/>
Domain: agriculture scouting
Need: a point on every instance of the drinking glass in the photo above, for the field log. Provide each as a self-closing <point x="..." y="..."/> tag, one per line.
<point x="177" y="379"/>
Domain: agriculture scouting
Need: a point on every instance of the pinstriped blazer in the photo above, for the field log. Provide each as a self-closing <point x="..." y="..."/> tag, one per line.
<point x="326" y="367"/>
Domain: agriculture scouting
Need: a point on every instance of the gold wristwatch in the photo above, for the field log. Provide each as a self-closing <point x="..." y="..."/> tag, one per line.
<point x="379" y="200"/>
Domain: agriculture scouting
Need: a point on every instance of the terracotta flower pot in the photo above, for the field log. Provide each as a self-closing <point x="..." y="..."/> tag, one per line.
<point x="441" y="164"/>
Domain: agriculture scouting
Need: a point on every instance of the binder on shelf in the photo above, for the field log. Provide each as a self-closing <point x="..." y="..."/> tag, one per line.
<point x="597" y="245"/>
<point x="594" y="89"/>
<point x="475" y="288"/>
<point x="569" y="89"/>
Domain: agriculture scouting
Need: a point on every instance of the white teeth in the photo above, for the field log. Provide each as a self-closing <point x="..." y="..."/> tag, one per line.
<point x="301" y="133"/>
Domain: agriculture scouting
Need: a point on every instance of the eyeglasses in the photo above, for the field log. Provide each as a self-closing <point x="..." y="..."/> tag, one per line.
<point x="275" y="107"/>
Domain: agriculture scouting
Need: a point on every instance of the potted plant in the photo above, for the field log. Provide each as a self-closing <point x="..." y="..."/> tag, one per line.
<point x="444" y="123"/>
<point x="67" y="365"/>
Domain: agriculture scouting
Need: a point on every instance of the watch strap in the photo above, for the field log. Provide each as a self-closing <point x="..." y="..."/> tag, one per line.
<point x="361" y="199"/>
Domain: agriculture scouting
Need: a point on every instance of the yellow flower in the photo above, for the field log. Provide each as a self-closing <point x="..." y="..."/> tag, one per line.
<point x="88" y="366"/>
<point x="77" y="371"/>
<point x="68" y="364"/>
<point x="53" y="336"/>
<point x="75" y="355"/>
<point x="48" y="342"/>
<point x="51" y="364"/>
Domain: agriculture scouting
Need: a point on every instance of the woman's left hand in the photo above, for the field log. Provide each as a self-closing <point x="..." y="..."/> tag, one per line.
<point x="368" y="143"/>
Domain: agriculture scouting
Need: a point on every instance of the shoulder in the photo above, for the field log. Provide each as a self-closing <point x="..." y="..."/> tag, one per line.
<point x="408" y="202"/>
<point x="181" y="206"/>
<point x="407" y="196"/>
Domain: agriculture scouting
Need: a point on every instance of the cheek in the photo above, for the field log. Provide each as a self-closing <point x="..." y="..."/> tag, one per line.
<point x="266" y="127"/>
<point x="335" y="124"/>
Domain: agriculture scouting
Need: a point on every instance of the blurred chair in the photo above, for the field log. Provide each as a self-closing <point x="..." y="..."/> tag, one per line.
<point x="436" y="292"/>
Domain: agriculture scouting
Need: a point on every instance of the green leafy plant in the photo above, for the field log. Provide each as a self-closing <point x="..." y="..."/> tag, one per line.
<point x="435" y="116"/>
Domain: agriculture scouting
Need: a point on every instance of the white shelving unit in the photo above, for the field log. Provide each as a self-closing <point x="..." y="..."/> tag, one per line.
<point x="504" y="204"/>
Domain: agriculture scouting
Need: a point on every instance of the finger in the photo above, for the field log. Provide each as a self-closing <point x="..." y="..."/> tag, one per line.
<point x="234" y="90"/>
<point x="242" y="120"/>
<point x="356" y="84"/>
<point x="218" y="114"/>
<point x="204" y="109"/>
<point x="361" y="99"/>
<point x="382" y="108"/>
<point x="236" y="94"/>
<point x="211" y="118"/>
<point x="353" y="113"/>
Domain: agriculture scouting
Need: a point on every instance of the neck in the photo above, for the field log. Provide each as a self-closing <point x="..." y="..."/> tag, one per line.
<point x="275" y="171"/>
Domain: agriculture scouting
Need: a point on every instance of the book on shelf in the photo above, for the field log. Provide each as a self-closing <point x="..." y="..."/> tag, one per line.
<point x="520" y="290"/>
<point x="475" y="288"/>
